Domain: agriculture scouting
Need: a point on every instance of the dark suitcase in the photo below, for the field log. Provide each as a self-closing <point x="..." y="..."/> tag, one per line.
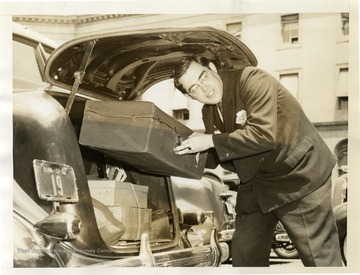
<point x="140" y="134"/>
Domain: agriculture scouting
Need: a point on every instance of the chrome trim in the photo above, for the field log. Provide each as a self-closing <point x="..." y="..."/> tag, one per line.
<point x="208" y="255"/>
<point x="226" y="235"/>
<point x="145" y="251"/>
<point x="60" y="225"/>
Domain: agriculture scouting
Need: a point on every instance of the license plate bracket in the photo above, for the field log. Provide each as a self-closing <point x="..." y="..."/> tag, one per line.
<point x="55" y="182"/>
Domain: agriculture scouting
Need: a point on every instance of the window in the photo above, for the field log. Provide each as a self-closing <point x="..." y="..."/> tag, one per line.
<point x="235" y="29"/>
<point x="343" y="103"/>
<point x="181" y="114"/>
<point x="26" y="74"/>
<point x="291" y="82"/>
<point x="345" y="24"/>
<point x="290" y="29"/>
<point x="342" y="88"/>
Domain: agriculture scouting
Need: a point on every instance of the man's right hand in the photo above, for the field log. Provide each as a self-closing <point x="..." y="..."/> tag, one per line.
<point x="195" y="143"/>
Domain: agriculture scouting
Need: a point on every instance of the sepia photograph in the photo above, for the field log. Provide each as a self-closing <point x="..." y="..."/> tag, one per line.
<point x="218" y="136"/>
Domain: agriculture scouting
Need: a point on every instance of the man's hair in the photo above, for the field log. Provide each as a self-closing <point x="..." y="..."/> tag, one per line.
<point x="182" y="68"/>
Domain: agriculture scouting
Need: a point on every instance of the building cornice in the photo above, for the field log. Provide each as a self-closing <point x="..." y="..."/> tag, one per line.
<point x="332" y="125"/>
<point x="68" y="19"/>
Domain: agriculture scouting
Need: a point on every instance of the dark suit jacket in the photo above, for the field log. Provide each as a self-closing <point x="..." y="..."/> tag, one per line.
<point x="278" y="149"/>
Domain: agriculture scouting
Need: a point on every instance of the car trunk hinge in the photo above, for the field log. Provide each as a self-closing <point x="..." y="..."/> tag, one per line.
<point x="79" y="75"/>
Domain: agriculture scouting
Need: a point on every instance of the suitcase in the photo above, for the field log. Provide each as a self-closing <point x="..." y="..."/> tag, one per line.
<point x="141" y="135"/>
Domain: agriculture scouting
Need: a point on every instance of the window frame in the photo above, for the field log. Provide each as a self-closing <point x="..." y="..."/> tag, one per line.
<point x="342" y="99"/>
<point x="339" y="68"/>
<point x="341" y="36"/>
<point x="294" y="71"/>
<point x="281" y="44"/>
<point x="184" y="113"/>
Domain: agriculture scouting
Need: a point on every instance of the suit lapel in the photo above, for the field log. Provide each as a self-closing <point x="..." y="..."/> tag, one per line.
<point x="230" y="84"/>
<point x="231" y="101"/>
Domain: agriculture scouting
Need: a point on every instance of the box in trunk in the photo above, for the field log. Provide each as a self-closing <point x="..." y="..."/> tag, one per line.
<point x="140" y="134"/>
<point x="110" y="192"/>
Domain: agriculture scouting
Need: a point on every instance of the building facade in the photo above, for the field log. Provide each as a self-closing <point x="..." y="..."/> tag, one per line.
<point x="307" y="52"/>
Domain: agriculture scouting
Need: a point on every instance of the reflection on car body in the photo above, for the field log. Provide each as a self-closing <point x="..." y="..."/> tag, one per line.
<point x="211" y="198"/>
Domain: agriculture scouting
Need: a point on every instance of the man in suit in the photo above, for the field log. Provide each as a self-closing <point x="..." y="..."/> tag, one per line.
<point x="259" y="130"/>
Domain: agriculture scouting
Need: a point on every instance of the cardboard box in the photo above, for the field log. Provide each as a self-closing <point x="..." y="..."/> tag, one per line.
<point x="111" y="192"/>
<point x="136" y="221"/>
<point x="140" y="134"/>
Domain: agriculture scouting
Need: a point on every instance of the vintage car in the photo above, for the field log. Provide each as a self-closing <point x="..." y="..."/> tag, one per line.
<point x="30" y="51"/>
<point x="339" y="202"/>
<point x="211" y="199"/>
<point x="92" y="190"/>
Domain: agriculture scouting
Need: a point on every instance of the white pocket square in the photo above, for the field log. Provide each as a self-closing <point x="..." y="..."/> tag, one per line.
<point x="241" y="117"/>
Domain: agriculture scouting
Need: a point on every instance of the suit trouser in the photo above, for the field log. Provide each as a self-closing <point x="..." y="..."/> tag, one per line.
<point x="309" y="222"/>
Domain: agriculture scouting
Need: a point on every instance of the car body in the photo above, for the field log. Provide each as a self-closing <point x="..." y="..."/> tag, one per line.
<point x="31" y="50"/>
<point x="282" y="245"/>
<point x="231" y="179"/>
<point x="339" y="202"/>
<point x="57" y="220"/>
<point x="340" y="213"/>
<point x="211" y="198"/>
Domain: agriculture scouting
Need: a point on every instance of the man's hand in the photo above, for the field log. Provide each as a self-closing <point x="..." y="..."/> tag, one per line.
<point x="194" y="144"/>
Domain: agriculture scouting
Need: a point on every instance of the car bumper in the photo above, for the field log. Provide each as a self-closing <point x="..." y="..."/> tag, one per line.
<point x="208" y="255"/>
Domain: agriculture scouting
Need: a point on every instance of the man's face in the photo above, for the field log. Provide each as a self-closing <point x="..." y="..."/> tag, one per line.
<point x="202" y="84"/>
